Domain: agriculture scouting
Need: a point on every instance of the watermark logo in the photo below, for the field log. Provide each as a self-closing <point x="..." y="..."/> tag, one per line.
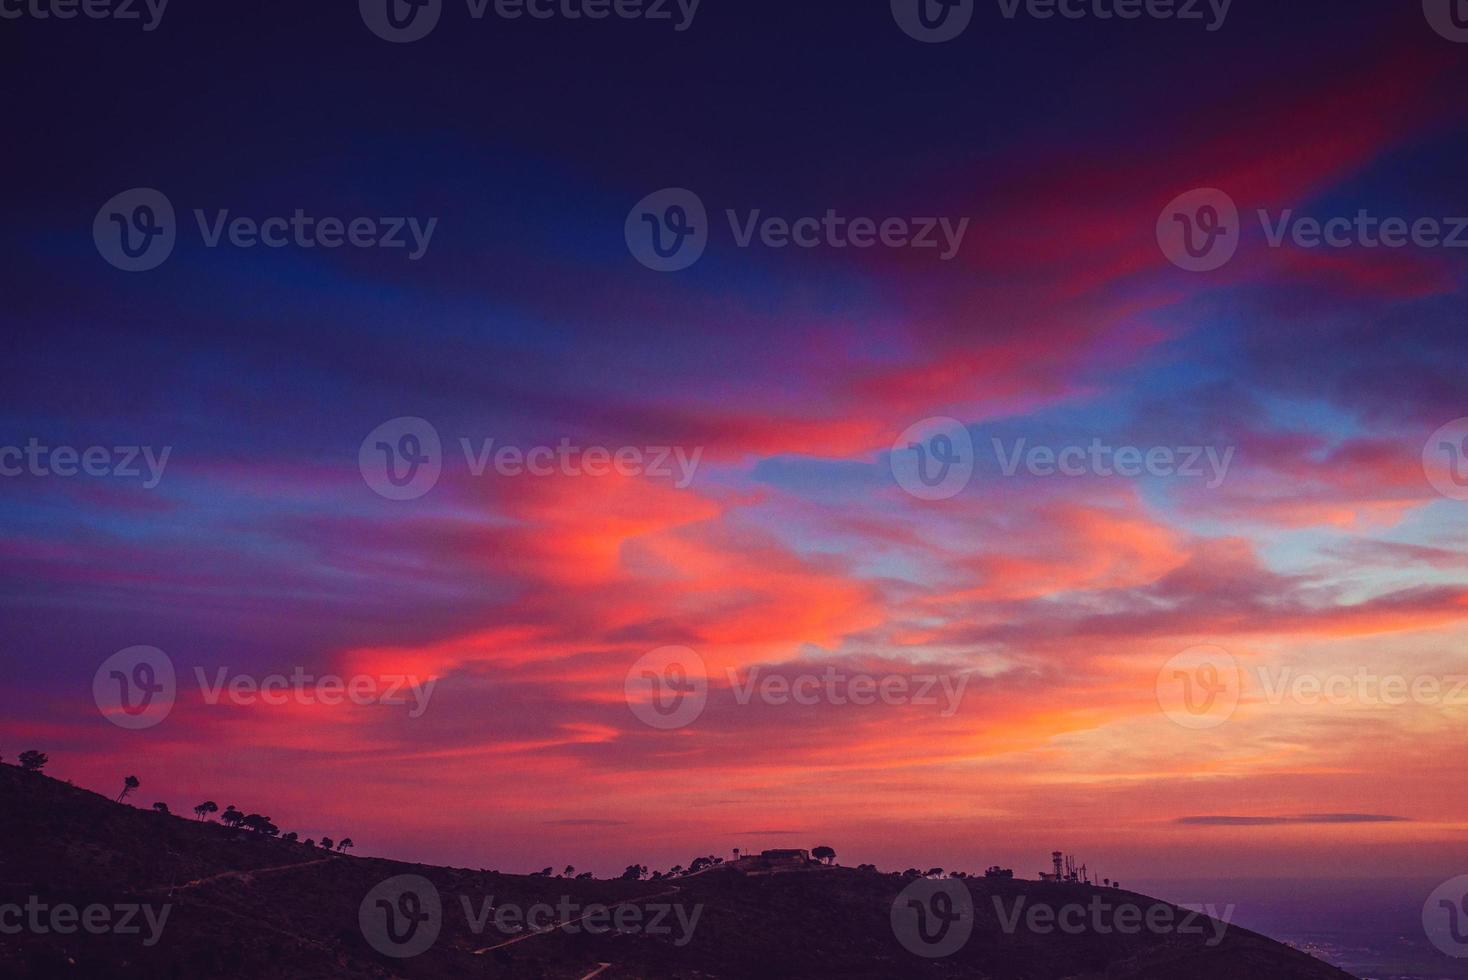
<point x="1445" y="917"/>
<point x="401" y="459"/>
<point x="1200" y="687"/>
<point x="1445" y="460"/>
<point x="934" y="459"/>
<point x="402" y="916"/>
<point x="667" y="688"/>
<point x="401" y="21"/>
<point x="933" y="21"/>
<point x="933" y="918"/>
<point x="135" y="688"/>
<point x="668" y="230"/>
<point x="1449" y="18"/>
<point x="64" y="919"/>
<point x="1199" y="231"/>
<point x="136" y="230"/>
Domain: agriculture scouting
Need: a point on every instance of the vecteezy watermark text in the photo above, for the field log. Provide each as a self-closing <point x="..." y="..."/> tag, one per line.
<point x="137" y="230"/>
<point x="669" y="230"/>
<point x="1201" y="231"/>
<point x="405" y="21"/>
<point x="402" y="917"/>
<point x="1203" y="686"/>
<point x="936" y="21"/>
<point x="1103" y="917"/>
<point x="36" y="459"/>
<point x="137" y="688"/>
<point x="1100" y="459"/>
<point x="935" y="460"/>
<point x="148" y="13"/>
<point x="838" y="687"/>
<point x="573" y="917"/>
<point x="300" y="687"/>
<point x="1180" y="10"/>
<point x="403" y="458"/>
<point x="64" y="919"/>
<point x="669" y="687"/>
<point x="569" y="459"/>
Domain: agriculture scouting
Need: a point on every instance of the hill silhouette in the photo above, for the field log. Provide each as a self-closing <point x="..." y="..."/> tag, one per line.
<point x="243" y="904"/>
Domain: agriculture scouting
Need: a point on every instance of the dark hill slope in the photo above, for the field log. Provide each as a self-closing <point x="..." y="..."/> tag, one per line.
<point x="241" y="905"/>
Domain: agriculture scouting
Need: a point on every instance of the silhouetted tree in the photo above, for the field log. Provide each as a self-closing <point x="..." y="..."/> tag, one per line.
<point x="328" y="843"/>
<point x="128" y="785"/>
<point x="161" y="807"/>
<point x="291" y="837"/>
<point x="570" y="872"/>
<point x="584" y="876"/>
<point x="935" y="872"/>
<point x="310" y="842"/>
<point x="260" y="825"/>
<point x="634" y="872"/>
<point x="824" y="854"/>
<point x="346" y="842"/>
<point x="204" y="809"/>
<point x="866" y="867"/>
<point x="33" y="761"/>
<point x="231" y="816"/>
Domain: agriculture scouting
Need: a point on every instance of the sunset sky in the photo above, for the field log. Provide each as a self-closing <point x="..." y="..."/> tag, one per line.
<point x="1324" y="549"/>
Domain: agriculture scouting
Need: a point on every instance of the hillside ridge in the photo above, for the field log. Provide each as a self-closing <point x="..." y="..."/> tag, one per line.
<point x="210" y="901"/>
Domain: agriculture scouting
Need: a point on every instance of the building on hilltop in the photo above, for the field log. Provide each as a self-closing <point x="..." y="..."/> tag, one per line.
<point x="773" y="861"/>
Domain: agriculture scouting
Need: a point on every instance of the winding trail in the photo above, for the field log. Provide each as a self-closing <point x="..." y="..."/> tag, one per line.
<point x="244" y="876"/>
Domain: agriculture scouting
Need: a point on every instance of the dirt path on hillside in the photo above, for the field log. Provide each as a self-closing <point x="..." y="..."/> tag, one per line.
<point x="245" y="876"/>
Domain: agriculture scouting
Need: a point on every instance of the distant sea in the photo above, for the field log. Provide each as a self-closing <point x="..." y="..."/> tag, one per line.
<point x="1371" y="928"/>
